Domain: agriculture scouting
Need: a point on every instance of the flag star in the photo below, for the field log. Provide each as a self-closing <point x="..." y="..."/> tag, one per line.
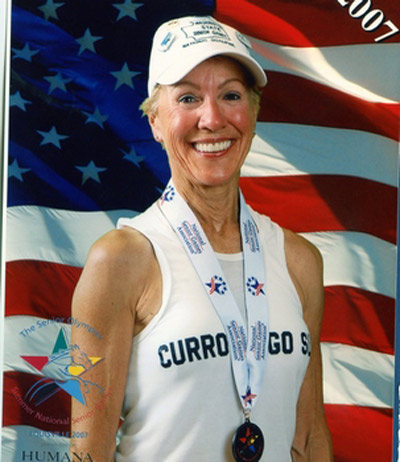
<point x="49" y="9"/>
<point x="17" y="100"/>
<point x="14" y="170"/>
<point x="90" y="171"/>
<point x="96" y="117"/>
<point x="124" y="76"/>
<point x="26" y="53"/>
<point x="131" y="156"/>
<point x="87" y="41"/>
<point x="128" y="8"/>
<point x="52" y="137"/>
<point x="57" y="81"/>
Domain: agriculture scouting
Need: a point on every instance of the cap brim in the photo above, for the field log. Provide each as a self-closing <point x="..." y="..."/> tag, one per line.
<point x="175" y="74"/>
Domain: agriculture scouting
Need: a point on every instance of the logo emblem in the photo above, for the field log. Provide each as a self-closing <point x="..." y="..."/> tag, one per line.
<point x="217" y="284"/>
<point x="168" y="194"/>
<point x="66" y="362"/>
<point x="254" y="287"/>
<point x="167" y="41"/>
<point x="248" y="397"/>
<point x="248" y="443"/>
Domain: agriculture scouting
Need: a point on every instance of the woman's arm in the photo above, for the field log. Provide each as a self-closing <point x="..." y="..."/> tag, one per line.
<point x="312" y="441"/>
<point x="113" y="284"/>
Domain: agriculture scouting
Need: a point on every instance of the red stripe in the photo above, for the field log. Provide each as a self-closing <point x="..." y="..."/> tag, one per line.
<point x="18" y="410"/>
<point x="360" y="434"/>
<point x="360" y="318"/>
<point x="307" y="203"/>
<point x="40" y="288"/>
<point x="302" y="23"/>
<point x="291" y="99"/>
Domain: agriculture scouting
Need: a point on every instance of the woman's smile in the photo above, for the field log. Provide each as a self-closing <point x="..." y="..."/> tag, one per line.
<point x="213" y="148"/>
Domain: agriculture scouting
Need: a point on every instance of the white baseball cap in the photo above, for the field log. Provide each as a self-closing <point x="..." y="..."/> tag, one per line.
<point x="181" y="44"/>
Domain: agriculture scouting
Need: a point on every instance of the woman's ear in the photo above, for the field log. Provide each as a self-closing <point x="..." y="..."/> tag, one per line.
<point x="154" y="124"/>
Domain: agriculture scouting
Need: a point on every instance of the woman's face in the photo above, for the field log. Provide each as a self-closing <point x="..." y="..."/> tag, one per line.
<point x="206" y="123"/>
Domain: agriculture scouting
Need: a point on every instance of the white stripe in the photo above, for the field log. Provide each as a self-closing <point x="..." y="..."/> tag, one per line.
<point x="58" y="236"/>
<point x="368" y="71"/>
<point x="357" y="376"/>
<point x="290" y="149"/>
<point x="37" y="233"/>
<point x="357" y="260"/>
<point x="19" y="438"/>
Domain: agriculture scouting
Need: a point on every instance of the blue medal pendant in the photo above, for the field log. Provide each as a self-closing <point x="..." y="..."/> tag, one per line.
<point x="248" y="443"/>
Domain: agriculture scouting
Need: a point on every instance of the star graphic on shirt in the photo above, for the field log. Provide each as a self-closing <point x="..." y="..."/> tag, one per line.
<point x="131" y="156"/>
<point x="128" y="8"/>
<point x="14" y="170"/>
<point x="124" y="76"/>
<point x="87" y="41"/>
<point x="17" y="100"/>
<point x="90" y="172"/>
<point x="26" y="53"/>
<point x="52" y="137"/>
<point x="49" y="9"/>
<point x="96" y="117"/>
<point x="57" y="81"/>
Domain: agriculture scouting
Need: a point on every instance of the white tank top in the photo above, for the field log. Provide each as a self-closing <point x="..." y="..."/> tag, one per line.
<point x="181" y="403"/>
<point x="232" y="267"/>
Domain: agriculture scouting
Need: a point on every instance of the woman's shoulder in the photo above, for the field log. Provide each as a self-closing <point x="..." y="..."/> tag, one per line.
<point x="301" y="251"/>
<point x="119" y="258"/>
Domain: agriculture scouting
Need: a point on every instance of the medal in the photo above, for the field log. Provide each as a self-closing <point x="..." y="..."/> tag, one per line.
<point x="248" y="443"/>
<point x="248" y="344"/>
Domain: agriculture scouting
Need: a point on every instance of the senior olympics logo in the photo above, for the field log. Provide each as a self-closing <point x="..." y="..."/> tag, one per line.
<point x="69" y="363"/>
<point x="60" y="371"/>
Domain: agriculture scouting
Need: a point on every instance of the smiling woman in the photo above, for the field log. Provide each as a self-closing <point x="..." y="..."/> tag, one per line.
<point x="206" y="122"/>
<point x="211" y="313"/>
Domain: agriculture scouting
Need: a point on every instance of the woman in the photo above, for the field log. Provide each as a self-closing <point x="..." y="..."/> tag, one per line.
<point x="208" y="310"/>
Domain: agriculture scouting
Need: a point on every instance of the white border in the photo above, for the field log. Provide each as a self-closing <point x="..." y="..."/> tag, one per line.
<point x="5" y="27"/>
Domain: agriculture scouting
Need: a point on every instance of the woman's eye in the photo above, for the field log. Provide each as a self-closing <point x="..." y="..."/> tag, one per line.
<point x="187" y="99"/>
<point x="232" y="96"/>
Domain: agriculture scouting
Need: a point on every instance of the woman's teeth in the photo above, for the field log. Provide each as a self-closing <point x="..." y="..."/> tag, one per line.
<point x="213" y="147"/>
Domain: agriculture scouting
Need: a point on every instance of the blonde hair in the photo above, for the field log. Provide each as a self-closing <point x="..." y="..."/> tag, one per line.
<point x="150" y="104"/>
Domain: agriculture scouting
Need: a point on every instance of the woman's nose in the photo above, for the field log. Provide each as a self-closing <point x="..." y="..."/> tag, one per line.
<point x="211" y="116"/>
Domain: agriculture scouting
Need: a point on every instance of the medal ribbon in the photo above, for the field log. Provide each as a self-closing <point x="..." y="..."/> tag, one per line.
<point x="248" y="347"/>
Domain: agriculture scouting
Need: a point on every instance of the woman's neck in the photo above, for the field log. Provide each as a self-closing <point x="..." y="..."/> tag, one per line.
<point x="217" y="209"/>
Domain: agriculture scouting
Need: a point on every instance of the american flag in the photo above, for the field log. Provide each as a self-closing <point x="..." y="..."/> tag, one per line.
<point x="323" y="163"/>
